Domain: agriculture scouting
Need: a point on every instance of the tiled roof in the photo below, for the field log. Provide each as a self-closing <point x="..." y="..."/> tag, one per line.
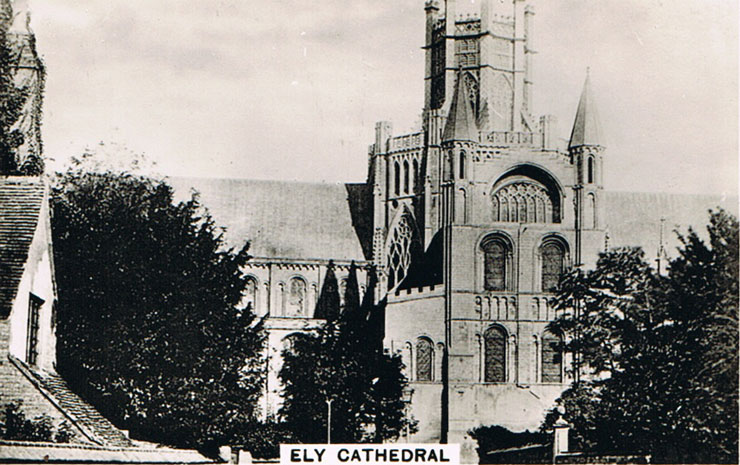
<point x="96" y="427"/>
<point x="20" y="204"/>
<point x="284" y="219"/>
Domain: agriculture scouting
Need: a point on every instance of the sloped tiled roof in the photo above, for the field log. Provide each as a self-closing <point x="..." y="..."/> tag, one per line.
<point x="94" y="425"/>
<point x="21" y="199"/>
<point x="284" y="219"/>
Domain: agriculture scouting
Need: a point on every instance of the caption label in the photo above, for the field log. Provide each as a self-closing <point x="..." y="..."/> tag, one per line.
<point x="320" y="454"/>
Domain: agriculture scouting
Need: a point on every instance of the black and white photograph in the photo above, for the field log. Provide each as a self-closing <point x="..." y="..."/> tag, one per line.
<point x="369" y="231"/>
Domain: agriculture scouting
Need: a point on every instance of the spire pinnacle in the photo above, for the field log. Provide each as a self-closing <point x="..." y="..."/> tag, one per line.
<point x="586" y="127"/>
<point x="460" y="121"/>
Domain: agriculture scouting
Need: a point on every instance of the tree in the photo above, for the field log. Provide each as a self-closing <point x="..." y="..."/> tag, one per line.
<point x="150" y="327"/>
<point x="340" y="361"/>
<point x="659" y="354"/>
<point x="12" y="99"/>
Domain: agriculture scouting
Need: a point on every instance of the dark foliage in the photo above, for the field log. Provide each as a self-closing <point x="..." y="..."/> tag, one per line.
<point x="150" y="328"/>
<point x="659" y="354"/>
<point x="12" y="99"/>
<point x="342" y="362"/>
<point x="15" y="426"/>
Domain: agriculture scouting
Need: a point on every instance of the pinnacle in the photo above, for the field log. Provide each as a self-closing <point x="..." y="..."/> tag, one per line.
<point x="460" y="121"/>
<point x="586" y="127"/>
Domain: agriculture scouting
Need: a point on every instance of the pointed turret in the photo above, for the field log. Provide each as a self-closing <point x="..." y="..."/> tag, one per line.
<point x="460" y="122"/>
<point x="586" y="128"/>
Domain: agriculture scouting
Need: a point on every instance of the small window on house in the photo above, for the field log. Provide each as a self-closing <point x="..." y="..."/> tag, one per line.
<point x="424" y="359"/>
<point x="34" y="309"/>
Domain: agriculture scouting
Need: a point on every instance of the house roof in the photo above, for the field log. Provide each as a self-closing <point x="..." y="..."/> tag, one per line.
<point x="21" y="199"/>
<point x="284" y="219"/>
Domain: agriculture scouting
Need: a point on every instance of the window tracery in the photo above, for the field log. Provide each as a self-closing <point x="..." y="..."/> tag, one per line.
<point x="553" y="264"/>
<point x="495" y="254"/>
<point x="552" y="358"/>
<point x="523" y="202"/>
<point x="400" y="251"/>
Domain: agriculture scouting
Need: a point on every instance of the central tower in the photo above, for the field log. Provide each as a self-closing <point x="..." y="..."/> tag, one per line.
<point x="492" y="49"/>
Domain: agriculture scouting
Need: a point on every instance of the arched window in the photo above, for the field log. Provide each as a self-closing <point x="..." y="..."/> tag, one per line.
<point x="590" y="170"/>
<point x="406" y="177"/>
<point x="462" y="165"/>
<point x="416" y="172"/>
<point x="400" y="250"/>
<point x="495" y="355"/>
<point x="553" y="264"/>
<point x="250" y="293"/>
<point x="530" y="203"/>
<point x="397" y="174"/>
<point x="296" y="302"/>
<point x="424" y="359"/>
<point x="495" y="253"/>
<point x="552" y="358"/>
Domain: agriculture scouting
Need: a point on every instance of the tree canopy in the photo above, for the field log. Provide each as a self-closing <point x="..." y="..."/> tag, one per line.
<point x="12" y="99"/>
<point x="658" y="354"/>
<point x="151" y="330"/>
<point x="342" y="361"/>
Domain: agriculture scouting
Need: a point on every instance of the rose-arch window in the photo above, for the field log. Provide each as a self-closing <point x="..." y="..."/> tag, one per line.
<point x="495" y="254"/>
<point x="553" y="264"/>
<point x="424" y="359"/>
<point x="524" y="202"/>
<point x="400" y="251"/>
<point x="495" y="355"/>
<point x="552" y="358"/>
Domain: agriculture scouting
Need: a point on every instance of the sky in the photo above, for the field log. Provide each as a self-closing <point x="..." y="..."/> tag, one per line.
<point x="291" y="90"/>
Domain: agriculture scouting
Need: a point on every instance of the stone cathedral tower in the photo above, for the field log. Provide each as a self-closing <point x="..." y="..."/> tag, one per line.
<point x="475" y="218"/>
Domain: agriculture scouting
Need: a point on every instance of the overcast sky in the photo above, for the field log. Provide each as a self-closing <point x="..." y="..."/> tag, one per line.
<point x="289" y="89"/>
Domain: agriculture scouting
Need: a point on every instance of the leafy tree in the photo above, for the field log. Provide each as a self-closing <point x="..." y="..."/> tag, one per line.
<point x="150" y="327"/>
<point x="12" y="99"/>
<point x="340" y="361"/>
<point x="658" y="354"/>
<point x="15" y="426"/>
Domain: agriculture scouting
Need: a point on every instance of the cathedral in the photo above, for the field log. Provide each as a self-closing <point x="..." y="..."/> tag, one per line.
<point x="469" y="221"/>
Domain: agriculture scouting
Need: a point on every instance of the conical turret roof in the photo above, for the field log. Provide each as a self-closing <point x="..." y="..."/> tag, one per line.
<point x="460" y="121"/>
<point x="586" y="127"/>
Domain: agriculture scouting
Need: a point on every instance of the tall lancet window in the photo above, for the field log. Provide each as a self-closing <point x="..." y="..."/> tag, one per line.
<point x="495" y="253"/>
<point x="462" y="166"/>
<point x="397" y="175"/>
<point x="424" y="359"/>
<point x="590" y="170"/>
<point x="552" y="358"/>
<point x="296" y="303"/>
<point x="495" y="355"/>
<point x="553" y="264"/>
<point x="250" y="293"/>
<point x="406" y="177"/>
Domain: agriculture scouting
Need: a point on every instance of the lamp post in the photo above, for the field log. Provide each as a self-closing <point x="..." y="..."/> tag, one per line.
<point x="328" y="420"/>
<point x="406" y="398"/>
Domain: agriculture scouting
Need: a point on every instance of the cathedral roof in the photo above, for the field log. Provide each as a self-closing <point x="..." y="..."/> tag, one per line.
<point x="21" y="199"/>
<point x="460" y="121"/>
<point x="284" y="219"/>
<point x="586" y="127"/>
